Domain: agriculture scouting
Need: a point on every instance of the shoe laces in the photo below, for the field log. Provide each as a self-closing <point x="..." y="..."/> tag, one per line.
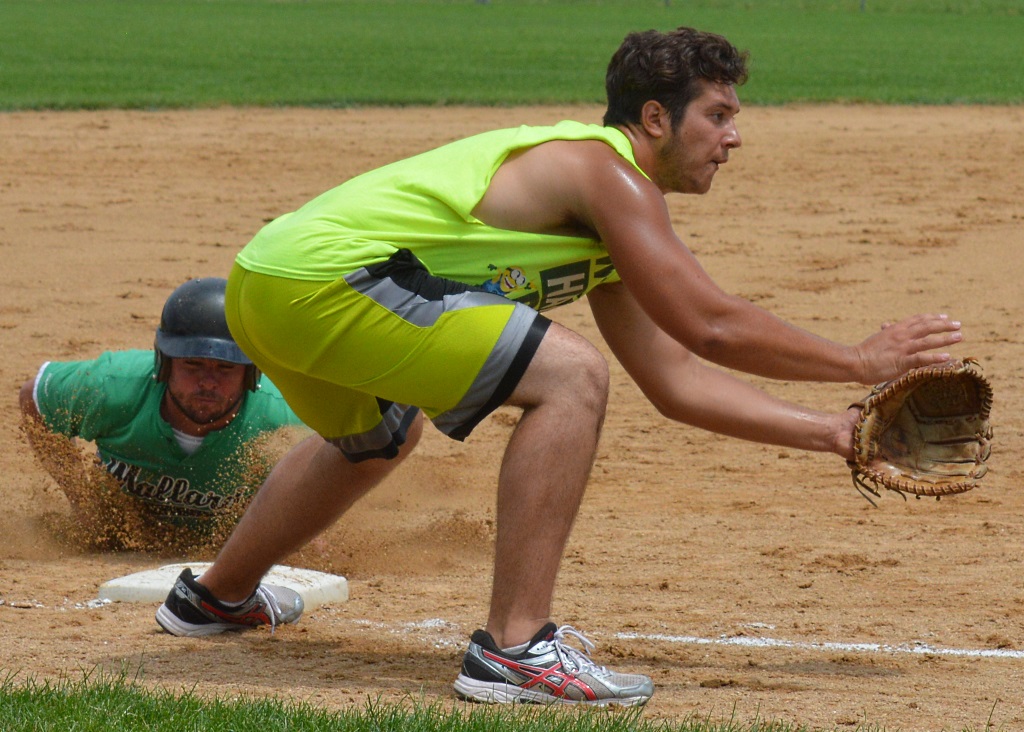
<point x="579" y="659"/>
<point x="270" y="602"/>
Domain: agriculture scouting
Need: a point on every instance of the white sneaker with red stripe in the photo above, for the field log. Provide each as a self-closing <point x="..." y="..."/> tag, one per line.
<point x="549" y="671"/>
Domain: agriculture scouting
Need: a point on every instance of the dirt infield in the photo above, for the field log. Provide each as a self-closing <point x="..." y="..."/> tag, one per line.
<point x="747" y="580"/>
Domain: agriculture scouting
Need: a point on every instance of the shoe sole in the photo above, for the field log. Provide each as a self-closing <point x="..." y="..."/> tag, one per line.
<point x="489" y="692"/>
<point x="176" y="626"/>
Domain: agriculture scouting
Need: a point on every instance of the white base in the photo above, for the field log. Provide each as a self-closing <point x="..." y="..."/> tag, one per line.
<point x="152" y="585"/>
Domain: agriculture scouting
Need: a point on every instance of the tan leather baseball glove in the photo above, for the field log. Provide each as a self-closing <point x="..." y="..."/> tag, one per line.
<point x="926" y="433"/>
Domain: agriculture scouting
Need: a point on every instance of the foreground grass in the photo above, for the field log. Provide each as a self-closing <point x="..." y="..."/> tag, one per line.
<point x="119" y="704"/>
<point x="64" y="54"/>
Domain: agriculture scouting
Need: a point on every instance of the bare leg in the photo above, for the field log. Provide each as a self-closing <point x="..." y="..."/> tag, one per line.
<point x="564" y="393"/>
<point x="308" y="490"/>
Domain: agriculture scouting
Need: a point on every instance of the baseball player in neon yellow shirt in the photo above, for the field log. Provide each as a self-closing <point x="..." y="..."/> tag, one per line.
<point x="419" y="289"/>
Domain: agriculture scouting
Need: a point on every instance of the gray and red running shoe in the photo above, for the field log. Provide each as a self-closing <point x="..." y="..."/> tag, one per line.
<point x="549" y="671"/>
<point x="191" y="610"/>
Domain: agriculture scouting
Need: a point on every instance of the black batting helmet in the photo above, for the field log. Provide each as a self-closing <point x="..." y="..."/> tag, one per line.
<point x="193" y="325"/>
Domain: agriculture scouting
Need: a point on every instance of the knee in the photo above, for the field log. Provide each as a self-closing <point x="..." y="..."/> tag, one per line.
<point x="566" y="372"/>
<point x="587" y="379"/>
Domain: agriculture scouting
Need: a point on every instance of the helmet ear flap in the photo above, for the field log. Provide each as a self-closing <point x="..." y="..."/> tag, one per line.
<point x="161" y="367"/>
<point x="252" y="377"/>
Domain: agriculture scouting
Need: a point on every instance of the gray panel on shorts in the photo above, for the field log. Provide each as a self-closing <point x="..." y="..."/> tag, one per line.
<point x="413" y="307"/>
<point x="418" y="310"/>
<point x="377" y="438"/>
<point x="491" y="374"/>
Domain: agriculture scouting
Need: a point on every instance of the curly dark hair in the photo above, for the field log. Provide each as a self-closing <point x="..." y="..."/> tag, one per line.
<point x="668" y="68"/>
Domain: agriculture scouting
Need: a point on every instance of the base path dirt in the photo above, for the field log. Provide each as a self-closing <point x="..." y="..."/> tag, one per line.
<point x="749" y="581"/>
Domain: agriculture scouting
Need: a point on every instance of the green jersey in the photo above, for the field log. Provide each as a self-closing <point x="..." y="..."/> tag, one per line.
<point x="114" y="401"/>
<point x="424" y="204"/>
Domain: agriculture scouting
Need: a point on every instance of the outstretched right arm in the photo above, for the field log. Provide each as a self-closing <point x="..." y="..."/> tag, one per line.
<point x="27" y="401"/>
<point x="669" y="284"/>
<point x="58" y="455"/>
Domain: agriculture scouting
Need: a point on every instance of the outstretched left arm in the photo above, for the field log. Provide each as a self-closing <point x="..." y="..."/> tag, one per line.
<point x="685" y="389"/>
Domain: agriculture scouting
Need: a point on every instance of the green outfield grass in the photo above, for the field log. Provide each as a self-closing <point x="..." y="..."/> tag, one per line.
<point x="66" y="54"/>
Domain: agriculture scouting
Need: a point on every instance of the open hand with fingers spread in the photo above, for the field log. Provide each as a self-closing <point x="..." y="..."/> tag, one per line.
<point x="916" y="341"/>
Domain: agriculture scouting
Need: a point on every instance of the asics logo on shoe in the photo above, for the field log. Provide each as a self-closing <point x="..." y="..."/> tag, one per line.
<point x="252" y="617"/>
<point x="553" y="678"/>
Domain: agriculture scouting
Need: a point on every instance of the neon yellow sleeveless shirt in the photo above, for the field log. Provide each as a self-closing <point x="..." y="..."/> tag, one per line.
<point x="423" y="204"/>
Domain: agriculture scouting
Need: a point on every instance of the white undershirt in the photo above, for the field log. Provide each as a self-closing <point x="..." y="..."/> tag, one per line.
<point x="188" y="443"/>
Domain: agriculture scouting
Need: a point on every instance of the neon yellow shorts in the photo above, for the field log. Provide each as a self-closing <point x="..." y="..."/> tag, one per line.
<point x="357" y="357"/>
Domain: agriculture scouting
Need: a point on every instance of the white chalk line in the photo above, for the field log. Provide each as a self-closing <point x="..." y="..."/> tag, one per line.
<point x="915" y="648"/>
<point x="448" y="635"/>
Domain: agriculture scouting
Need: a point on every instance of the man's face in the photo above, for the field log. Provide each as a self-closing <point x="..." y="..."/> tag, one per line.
<point x="205" y="390"/>
<point x="691" y="153"/>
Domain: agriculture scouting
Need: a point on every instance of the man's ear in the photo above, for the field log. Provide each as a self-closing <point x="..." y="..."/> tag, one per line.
<point x="655" y="119"/>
